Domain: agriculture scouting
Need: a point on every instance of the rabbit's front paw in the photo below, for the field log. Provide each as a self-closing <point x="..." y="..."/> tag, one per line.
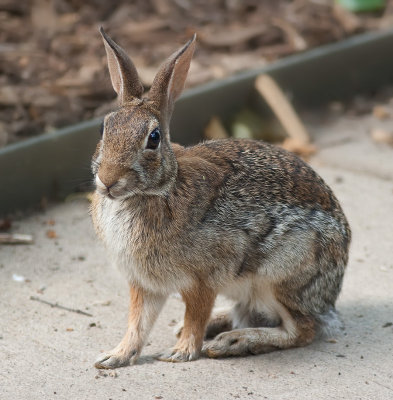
<point x="178" y="355"/>
<point x="113" y="360"/>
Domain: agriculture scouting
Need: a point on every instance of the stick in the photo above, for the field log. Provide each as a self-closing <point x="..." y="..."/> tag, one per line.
<point x="15" y="238"/>
<point x="284" y="111"/>
<point x="55" y="305"/>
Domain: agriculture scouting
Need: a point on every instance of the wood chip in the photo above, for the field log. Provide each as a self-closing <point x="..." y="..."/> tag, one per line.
<point x="380" y="135"/>
<point x="5" y="224"/>
<point x="381" y="112"/>
<point x="229" y="38"/>
<point x="302" y="149"/>
<point x="215" y="129"/>
<point x="15" y="238"/>
<point x="299" y="140"/>
<point x="295" y="39"/>
<point x="348" y="20"/>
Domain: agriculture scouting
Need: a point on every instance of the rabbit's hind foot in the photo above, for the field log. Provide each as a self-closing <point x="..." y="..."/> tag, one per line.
<point x="293" y="332"/>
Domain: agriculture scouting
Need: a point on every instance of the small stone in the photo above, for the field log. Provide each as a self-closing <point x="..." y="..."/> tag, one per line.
<point x="380" y="112"/>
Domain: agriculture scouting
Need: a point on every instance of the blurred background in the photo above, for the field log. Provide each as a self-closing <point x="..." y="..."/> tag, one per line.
<point x="52" y="61"/>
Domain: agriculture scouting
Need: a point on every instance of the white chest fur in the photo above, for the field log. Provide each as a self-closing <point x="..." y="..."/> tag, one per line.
<point x="122" y="229"/>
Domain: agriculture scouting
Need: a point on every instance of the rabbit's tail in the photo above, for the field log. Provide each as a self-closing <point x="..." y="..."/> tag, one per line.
<point x="329" y="324"/>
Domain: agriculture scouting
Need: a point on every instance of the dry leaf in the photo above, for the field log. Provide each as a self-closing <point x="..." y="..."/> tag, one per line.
<point x="51" y="234"/>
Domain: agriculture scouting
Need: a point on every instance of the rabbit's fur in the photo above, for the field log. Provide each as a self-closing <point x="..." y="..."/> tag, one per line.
<point x="238" y="217"/>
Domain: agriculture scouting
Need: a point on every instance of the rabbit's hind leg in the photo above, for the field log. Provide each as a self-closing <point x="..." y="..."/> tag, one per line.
<point x="220" y="321"/>
<point x="292" y="330"/>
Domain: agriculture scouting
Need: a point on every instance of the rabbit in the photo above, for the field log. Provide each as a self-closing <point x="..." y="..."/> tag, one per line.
<point x="240" y="218"/>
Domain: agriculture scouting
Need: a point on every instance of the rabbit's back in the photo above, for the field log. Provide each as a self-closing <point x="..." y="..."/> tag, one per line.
<point x="260" y="173"/>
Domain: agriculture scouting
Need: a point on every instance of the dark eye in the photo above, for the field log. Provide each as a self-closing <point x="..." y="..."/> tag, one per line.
<point x="154" y="139"/>
<point x="102" y="129"/>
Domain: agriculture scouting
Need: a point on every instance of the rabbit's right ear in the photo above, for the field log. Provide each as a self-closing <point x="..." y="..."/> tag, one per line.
<point x="169" y="81"/>
<point x="123" y="73"/>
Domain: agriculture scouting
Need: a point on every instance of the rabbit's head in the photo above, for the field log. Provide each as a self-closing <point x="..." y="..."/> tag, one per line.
<point x="134" y="155"/>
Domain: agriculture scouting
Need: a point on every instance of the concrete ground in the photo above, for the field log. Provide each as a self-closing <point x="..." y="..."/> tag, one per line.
<point x="49" y="353"/>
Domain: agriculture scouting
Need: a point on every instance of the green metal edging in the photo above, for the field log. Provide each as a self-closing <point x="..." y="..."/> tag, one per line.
<point x="55" y="164"/>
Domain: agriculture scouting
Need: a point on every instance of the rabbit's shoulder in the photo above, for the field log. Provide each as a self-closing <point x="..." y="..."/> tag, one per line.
<point x="257" y="171"/>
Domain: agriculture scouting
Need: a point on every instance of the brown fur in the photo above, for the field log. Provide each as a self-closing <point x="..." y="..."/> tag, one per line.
<point x="130" y="347"/>
<point x="237" y="217"/>
<point x="199" y="301"/>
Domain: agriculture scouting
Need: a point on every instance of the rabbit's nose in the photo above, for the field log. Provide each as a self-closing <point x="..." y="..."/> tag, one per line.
<point x="103" y="184"/>
<point x="108" y="175"/>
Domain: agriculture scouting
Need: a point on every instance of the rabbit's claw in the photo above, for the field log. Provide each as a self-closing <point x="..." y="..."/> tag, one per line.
<point x="113" y="360"/>
<point x="178" y="355"/>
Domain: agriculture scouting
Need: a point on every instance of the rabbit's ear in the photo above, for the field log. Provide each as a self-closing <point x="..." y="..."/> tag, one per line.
<point x="123" y="73"/>
<point x="169" y="81"/>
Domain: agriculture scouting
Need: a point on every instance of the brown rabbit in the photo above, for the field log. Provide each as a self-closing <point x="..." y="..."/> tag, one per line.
<point x="240" y="218"/>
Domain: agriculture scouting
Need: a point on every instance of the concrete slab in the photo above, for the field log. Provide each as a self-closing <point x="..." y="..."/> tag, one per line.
<point x="49" y="353"/>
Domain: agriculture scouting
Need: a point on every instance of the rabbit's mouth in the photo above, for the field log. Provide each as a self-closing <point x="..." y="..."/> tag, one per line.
<point x="113" y="191"/>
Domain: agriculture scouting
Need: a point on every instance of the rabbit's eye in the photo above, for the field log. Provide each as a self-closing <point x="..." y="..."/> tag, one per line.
<point x="154" y="139"/>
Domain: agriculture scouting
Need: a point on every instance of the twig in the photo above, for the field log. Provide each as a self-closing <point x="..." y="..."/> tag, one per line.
<point x="15" y="238"/>
<point x="284" y="111"/>
<point x="55" y="305"/>
<point x="299" y="139"/>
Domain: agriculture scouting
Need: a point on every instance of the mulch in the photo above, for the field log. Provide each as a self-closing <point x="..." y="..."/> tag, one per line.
<point x="52" y="61"/>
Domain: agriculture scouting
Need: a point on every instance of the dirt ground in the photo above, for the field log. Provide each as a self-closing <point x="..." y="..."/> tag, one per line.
<point x="49" y="353"/>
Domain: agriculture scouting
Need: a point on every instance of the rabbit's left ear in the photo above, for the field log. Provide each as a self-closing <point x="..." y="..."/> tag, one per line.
<point x="169" y="81"/>
<point x="123" y="73"/>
